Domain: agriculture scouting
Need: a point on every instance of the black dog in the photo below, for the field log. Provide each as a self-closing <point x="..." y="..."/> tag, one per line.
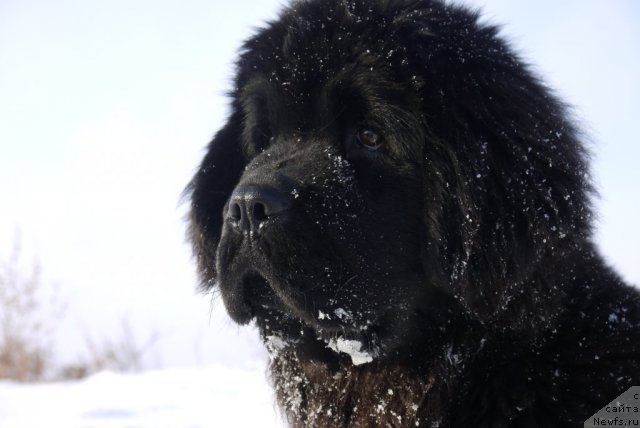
<point x="403" y="209"/>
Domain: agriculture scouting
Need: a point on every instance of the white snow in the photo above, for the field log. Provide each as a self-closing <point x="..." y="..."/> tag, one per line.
<point x="453" y="358"/>
<point x="274" y="345"/>
<point x="341" y="313"/>
<point x="214" y="396"/>
<point x="351" y="347"/>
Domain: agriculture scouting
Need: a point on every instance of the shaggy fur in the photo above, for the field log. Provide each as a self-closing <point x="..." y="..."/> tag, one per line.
<point x="402" y="208"/>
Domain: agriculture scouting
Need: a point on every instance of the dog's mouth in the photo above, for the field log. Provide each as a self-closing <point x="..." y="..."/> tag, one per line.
<point x="257" y="293"/>
<point x="263" y="298"/>
<point x="286" y="318"/>
<point x="251" y="296"/>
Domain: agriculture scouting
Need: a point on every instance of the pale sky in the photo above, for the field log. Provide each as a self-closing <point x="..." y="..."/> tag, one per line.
<point x="105" y="108"/>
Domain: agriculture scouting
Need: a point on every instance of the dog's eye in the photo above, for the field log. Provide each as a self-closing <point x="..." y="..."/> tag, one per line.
<point x="369" y="139"/>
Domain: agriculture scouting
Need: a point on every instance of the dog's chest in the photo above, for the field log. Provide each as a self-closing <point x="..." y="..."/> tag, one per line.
<point x="311" y="395"/>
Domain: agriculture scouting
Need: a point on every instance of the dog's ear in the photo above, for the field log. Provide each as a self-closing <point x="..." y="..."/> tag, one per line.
<point x="509" y="163"/>
<point x="209" y="191"/>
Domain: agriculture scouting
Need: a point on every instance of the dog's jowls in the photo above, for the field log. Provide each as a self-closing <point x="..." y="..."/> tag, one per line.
<point x="402" y="208"/>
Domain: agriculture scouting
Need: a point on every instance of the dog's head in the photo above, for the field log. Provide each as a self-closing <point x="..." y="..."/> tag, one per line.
<point x="380" y="158"/>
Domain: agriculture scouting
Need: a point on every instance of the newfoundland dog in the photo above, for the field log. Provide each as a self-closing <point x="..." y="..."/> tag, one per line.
<point x="403" y="210"/>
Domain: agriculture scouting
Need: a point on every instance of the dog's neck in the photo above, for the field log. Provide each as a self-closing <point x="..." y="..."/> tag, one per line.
<point x="390" y="391"/>
<point x="312" y="394"/>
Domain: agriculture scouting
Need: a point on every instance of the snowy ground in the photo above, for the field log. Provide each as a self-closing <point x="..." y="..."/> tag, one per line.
<point x="214" y="396"/>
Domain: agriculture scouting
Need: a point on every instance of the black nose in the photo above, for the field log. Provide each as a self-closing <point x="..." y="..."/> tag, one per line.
<point x="252" y="206"/>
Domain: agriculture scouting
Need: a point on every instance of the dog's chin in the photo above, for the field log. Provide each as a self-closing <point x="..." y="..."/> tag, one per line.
<point x="285" y="322"/>
<point x="326" y="342"/>
<point x="254" y="295"/>
<point x="316" y="324"/>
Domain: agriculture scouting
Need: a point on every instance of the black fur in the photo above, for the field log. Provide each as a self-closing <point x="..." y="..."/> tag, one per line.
<point x="458" y="256"/>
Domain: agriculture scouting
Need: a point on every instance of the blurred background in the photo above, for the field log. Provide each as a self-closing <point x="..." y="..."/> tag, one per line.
<point x="105" y="110"/>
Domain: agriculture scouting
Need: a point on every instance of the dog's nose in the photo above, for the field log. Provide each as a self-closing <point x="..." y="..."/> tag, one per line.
<point x="252" y="205"/>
